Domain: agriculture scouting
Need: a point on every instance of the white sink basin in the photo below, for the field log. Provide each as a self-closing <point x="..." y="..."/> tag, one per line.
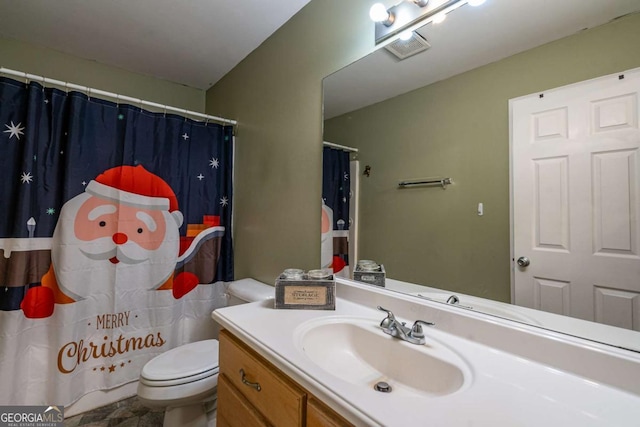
<point x="357" y="351"/>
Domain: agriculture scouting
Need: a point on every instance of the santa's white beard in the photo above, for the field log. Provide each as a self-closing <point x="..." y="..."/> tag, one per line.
<point x="83" y="268"/>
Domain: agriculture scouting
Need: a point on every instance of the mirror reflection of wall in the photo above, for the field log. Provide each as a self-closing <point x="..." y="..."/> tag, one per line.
<point x="459" y="128"/>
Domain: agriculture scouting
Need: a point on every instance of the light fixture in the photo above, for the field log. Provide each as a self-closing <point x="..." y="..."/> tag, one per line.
<point x="392" y="21"/>
<point x="379" y="13"/>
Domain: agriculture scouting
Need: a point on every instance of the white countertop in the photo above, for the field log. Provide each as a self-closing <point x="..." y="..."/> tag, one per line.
<point x="619" y="337"/>
<point x="503" y="389"/>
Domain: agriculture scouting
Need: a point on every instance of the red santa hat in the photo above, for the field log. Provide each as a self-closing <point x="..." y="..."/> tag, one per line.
<point x="135" y="186"/>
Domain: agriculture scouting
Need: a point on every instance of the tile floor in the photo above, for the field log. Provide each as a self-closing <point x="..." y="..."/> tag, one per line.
<point x="126" y="413"/>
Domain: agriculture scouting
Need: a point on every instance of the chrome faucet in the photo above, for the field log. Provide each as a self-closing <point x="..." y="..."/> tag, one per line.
<point x="390" y="325"/>
<point x="453" y="300"/>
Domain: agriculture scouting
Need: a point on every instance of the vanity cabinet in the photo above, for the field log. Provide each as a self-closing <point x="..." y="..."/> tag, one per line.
<point x="320" y="415"/>
<point x="253" y="392"/>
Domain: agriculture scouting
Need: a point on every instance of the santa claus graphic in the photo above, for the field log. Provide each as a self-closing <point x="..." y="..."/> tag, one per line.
<point x="123" y="231"/>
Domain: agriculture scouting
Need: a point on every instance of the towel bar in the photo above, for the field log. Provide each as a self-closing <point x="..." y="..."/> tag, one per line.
<point x="427" y="181"/>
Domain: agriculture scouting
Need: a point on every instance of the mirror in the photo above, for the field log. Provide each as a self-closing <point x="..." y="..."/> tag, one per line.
<point x="444" y="112"/>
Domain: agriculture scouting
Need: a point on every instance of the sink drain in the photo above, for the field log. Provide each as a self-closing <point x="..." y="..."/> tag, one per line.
<point x="382" y="387"/>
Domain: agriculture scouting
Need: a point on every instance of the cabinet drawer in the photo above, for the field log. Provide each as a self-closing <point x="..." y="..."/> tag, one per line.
<point x="234" y="410"/>
<point x="279" y="400"/>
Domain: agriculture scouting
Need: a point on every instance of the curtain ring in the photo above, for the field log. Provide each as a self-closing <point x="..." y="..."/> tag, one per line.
<point x="165" y="111"/>
<point x="88" y="94"/>
<point x="118" y="100"/>
<point x="206" y="121"/>
<point x="185" y="115"/>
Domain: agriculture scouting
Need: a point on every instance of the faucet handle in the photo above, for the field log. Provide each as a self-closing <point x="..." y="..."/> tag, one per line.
<point x="388" y="321"/>
<point x="389" y="313"/>
<point x="417" y="331"/>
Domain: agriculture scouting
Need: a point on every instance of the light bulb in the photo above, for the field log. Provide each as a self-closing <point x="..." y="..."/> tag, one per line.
<point x="475" y="2"/>
<point x="439" y="18"/>
<point x="378" y="13"/>
<point x="406" y="35"/>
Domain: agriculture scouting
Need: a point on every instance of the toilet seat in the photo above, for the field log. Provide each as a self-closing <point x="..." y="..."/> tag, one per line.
<point x="184" y="380"/>
<point x="182" y="365"/>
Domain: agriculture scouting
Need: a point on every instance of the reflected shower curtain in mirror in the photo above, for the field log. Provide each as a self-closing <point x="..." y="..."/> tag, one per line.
<point x="336" y="190"/>
<point x="114" y="237"/>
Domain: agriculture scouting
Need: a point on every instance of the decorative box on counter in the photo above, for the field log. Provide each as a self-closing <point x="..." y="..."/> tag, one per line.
<point x="314" y="290"/>
<point x="369" y="272"/>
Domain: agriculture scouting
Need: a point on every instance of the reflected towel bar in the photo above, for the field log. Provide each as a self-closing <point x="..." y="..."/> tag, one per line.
<point x="427" y="181"/>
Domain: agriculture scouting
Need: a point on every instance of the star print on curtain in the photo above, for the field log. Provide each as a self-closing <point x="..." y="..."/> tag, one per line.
<point x="336" y="193"/>
<point x="115" y="230"/>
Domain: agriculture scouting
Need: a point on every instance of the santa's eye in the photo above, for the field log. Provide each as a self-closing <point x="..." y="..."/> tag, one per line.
<point x="102" y="223"/>
<point x="140" y="230"/>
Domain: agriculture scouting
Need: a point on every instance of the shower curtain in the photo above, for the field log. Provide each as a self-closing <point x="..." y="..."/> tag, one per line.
<point x="114" y="239"/>
<point x="336" y="192"/>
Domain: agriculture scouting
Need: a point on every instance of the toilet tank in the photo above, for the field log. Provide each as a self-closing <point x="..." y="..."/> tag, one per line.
<point x="248" y="290"/>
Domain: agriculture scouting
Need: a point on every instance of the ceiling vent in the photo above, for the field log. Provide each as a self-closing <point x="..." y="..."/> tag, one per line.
<point x="406" y="48"/>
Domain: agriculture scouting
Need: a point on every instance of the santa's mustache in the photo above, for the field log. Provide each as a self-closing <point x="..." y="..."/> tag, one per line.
<point x="104" y="248"/>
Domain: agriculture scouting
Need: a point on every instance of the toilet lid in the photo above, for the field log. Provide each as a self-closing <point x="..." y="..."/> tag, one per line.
<point x="184" y="361"/>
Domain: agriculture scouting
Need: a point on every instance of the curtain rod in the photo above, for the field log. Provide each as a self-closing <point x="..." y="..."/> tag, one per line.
<point x="340" y="147"/>
<point x="118" y="97"/>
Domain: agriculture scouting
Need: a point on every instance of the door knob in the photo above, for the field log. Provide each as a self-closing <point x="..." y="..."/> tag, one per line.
<point x="523" y="261"/>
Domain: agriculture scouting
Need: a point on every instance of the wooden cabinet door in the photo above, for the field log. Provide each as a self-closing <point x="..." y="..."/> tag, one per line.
<point x="234" y="410"/>
<point x="275" y="396"/>
<point x="320" y="415"/>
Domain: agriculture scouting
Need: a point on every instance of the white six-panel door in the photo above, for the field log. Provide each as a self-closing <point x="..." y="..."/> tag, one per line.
<point x="576" y="200"/>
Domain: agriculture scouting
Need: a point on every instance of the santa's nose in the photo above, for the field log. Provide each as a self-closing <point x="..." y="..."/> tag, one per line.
<point x="120" y="238"/>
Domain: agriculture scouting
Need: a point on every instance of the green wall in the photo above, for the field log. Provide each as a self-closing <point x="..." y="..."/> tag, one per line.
<point x="459" y="128"/>
<point x="45" y="62"/>
<point x="276" y="95"/>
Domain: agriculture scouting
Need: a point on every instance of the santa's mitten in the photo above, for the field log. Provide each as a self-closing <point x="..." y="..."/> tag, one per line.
<point x="184" y="283"/>
<point x="38" y="302"/>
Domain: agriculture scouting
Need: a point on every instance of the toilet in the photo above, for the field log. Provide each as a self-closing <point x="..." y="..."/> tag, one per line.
<point x="184" y="379"/>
